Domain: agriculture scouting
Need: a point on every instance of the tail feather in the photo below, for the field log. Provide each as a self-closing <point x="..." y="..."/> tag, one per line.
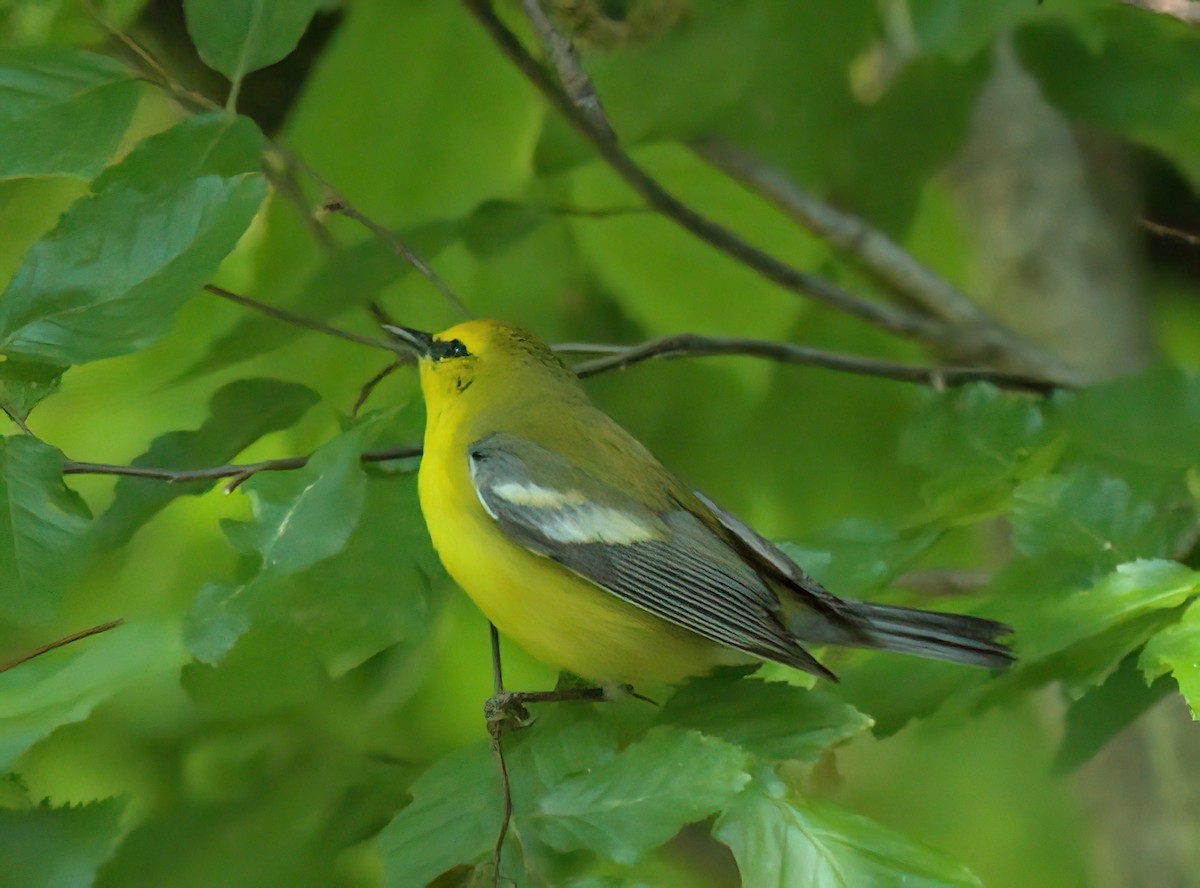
<point x="954" y="637"/>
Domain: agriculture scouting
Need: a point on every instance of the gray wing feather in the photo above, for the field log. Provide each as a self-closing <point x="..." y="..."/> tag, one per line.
<point x="670" y="564"/>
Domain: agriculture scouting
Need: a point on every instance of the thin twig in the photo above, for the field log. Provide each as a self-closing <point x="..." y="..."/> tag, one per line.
<point x="369" y="385"/>
<point x="694" y="345"/>
<point x="895" y="320"/>
<point x="1168" y="231"/>
<point x="496" y="731"/>
<point x="17" y="420"/>
<point x="880" y="255"/>
<point x="62" y="642"/>
<point x="571" y="76"/>
<point x="299" y="321"/>
<point x="214" y="473"/>
<point x="1184" y="11"/>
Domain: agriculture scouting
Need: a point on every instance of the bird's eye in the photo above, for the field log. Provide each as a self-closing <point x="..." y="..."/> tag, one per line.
<point x="456" y="349"/>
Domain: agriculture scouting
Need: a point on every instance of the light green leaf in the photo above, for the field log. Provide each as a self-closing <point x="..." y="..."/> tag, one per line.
<point x="1133" y="589"/>
<point x="787" y="842"/>
<point x="65" y="685"/>
<point x="108" y="279"/>
<point x="62" y="112"/>
<point x="624" y="807"/>
<point x="773" y="720"/>
<point x="239" y="36"/>
<point x="453" y="819"/>
<point x="44" y="534"/>
<point x="239" y="414"/>
<point x="58" y="847"/>
<point x="1176" y="650"/>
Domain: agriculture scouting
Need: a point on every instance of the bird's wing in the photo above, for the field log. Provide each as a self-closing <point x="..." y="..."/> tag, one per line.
<point x="668" y="562"/>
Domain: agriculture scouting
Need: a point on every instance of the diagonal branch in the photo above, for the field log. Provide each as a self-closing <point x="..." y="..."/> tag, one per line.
<point x="890" y="318"/>
<point x="1186" y="11"/>
<point x="61" y="642"/>
<point x="981" y="334"/>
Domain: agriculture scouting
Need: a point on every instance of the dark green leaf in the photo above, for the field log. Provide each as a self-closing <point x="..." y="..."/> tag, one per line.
<point x="1176" y="649"/>
<point x="453" y="819"/>
<point x="1105" y="711"/>
<point x="111" y="275"/>
<point x="635" y="802"/>
<point x="62" y="112"/>
<point x="787" y="842"/>
<point x="47" y="847"/>
<point x="44" y="536"/>
<point x="63" y="686"/>
<point x="856" y="558"/>
<point x="240" y="36"/>
<point x="773" y="720"/>
<point x="239" y="414"/>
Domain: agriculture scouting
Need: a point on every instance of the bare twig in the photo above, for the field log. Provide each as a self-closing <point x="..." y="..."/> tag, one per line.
<point x="496" y="731"/>
<point x="893" y="319"/>
<point x="1185" y="11"/>
<point x="571" y="76"/>
<point x="979" y="333"/>
<point x="214" y="473"/>
<point x="1168" y="231"/>
<point x="61" y="642"/>
<point x="17" y="420"/>
<point x="616" y="357"/>
<point x="299" y="321"/>
<point x="369" y="385"/>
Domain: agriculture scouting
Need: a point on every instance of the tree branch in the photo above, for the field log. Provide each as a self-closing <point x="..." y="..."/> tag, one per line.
<point x="693" y="345"/>
<point x="890" y="318"/>
<point x="980" y="333"/>
<point x="61" y="642"/>
<point x="1185" y="11"/>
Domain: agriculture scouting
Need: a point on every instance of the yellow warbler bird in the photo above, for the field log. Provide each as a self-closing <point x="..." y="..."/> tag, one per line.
<point x="583" y="549"/>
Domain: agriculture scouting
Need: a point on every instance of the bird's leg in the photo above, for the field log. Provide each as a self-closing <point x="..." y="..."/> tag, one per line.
<point x="505" y="710"/>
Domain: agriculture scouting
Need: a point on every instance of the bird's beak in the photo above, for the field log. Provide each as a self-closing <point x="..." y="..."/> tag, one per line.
<point x="417" y="340"/>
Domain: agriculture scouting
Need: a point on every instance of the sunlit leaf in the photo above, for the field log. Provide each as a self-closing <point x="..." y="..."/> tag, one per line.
<point x="1176" y="650"/>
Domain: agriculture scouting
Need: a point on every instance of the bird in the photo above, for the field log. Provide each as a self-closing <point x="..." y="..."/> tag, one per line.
<point x="583" y="549"/>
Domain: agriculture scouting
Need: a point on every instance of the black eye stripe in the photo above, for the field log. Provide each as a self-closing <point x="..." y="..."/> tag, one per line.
<point x="452" y="349"/>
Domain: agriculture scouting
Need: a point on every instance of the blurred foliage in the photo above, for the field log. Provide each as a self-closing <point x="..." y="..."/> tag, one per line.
<point x="294" y="696"/>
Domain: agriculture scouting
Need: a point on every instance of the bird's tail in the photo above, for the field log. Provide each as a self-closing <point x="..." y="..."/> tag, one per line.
<point x="954" y="637"/>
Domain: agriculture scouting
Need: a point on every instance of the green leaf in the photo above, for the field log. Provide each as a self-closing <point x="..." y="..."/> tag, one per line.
<point x="62" y="112"/>
<point x="453" y="819"/>
<point x="1130" y="591"/>
<point x="773" y="720"/>
<point x="110" y="276"/>
<point x="239" y="414"/>
<point x="1125" y="418"/>
<point x="1176" y="650"/>
<point x="306" y="515"/>
<point x="1105" y="711"/>
<point x="1090" y="514"/>
<point x="58" y="847"/>
<point x="624" y="807"/>
<point x="239" y="36"/>
<point x="23" y="385"/>
<point x="787" y="842"/>
<point x="44" y="536"/>
<point x="65" y="685"/>
<point x="856" y="558"/>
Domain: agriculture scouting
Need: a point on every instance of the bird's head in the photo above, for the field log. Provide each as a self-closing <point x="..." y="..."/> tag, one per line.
<point x="477" y="357"/>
